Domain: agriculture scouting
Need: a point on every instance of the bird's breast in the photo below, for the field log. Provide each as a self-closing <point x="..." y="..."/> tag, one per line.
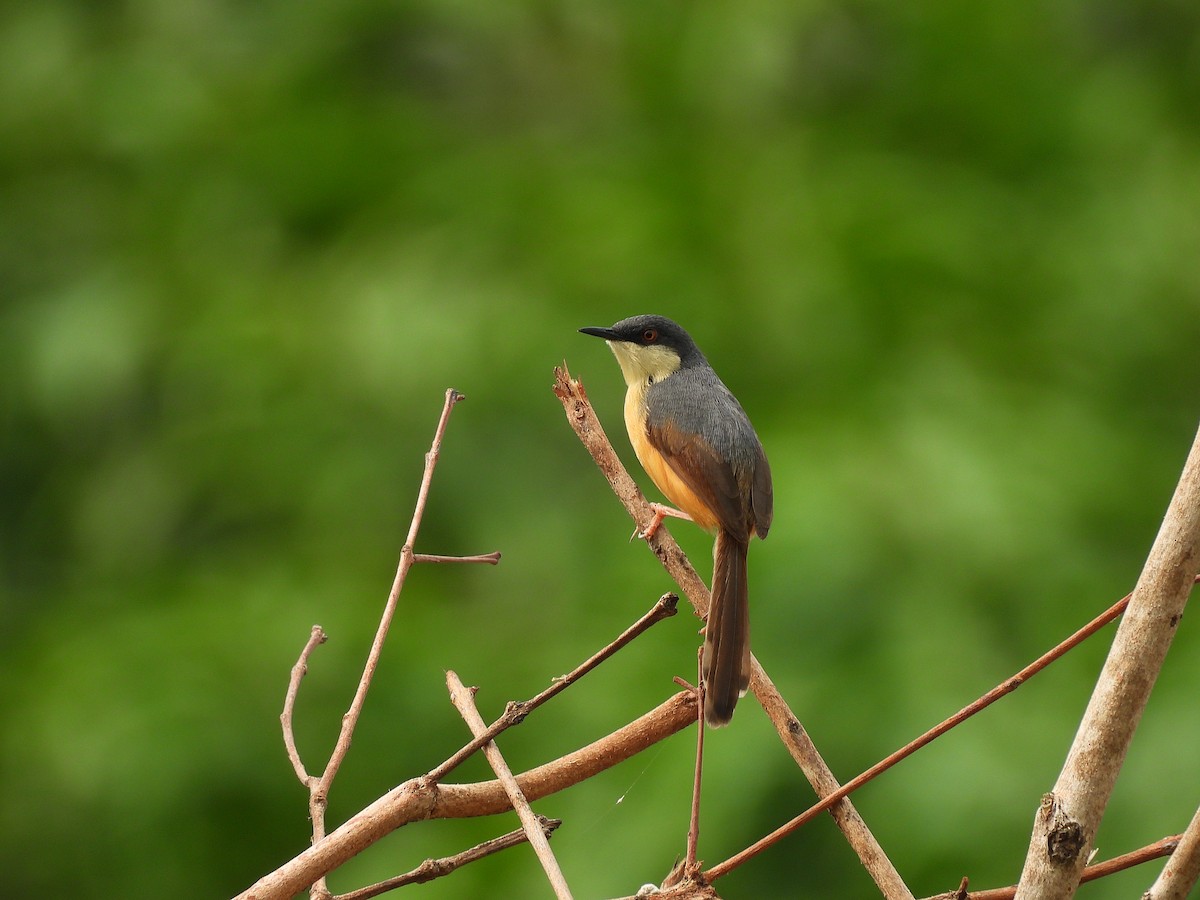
<point x="656" y="465"/>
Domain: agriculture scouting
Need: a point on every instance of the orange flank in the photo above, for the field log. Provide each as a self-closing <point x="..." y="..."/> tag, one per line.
<point x="660" y="471"/>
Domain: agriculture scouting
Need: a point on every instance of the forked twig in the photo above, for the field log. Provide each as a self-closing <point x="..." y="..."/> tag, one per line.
<point x="421" y="798"/>
<point x="463" y="699"/>
<point x="318" y="787"/>
<point x="437" y="868"/>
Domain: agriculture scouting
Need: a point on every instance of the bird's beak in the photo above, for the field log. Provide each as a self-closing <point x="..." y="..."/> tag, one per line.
<point x="606" y="333"/>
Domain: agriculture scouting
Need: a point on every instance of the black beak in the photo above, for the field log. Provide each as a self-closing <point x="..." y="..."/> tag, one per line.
<point x="607" y="333"/>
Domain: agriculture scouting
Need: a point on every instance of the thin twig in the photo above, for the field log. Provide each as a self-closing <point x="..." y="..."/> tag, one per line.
<point x="691" y="866"/>
<point x="488" y="558"/>
<point x="463" y="699"/>
<point x="1179" y="875"/>
<point x="586" y="425"/>
<point x="437" y="868"/>
<point x="350" y="719"/>
<point x="1157" y="850"/>
<point x="318" y="788"/>
<point x="516" y="711"/>
<point x="1065" y="826"/>
<point x="1002" y="689"/>
<point x="287" y="717"/>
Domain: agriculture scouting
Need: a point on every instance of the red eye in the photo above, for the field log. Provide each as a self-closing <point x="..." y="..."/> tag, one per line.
<point x="649" y="336"/>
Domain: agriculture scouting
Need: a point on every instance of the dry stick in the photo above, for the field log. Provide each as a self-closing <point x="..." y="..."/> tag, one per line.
<point x="319" y="792"/>
<point x="287" y="717"/>
<point x="318" y="788"/>
<point x="417" y="799"/>
<point x="350" y="719"/>
<point x="487" y="558"/>
<point x="432" y="869"/>
<point x="584" y="422"/>
<point x="516" y="711"/>
<point x="463" y="699"/>
<point x="1157" y="850"/>
<point x="691" y="866"/>
<point x="1179" y="875"/>
<point x="1065" y="825"/>
<point x="1005" y="687"/>
<point x="422" y="798"/>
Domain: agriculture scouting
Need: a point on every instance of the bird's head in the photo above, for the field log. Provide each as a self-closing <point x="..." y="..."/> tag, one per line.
<point x="648" y="348"/>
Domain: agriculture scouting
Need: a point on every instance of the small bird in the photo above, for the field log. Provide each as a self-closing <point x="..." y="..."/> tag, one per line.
<point x="697" y="445"/>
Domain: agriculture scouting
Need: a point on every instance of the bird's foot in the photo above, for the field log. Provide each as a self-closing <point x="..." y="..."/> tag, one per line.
<point x="660" y="513"/>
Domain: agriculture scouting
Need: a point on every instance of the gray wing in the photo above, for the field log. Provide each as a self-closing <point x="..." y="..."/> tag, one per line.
<point x="725" y="465"/>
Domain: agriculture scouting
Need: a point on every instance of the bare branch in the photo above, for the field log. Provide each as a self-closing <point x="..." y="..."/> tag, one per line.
<point x="350" y="719"/>
<point x="418" y="799"/>
<point x="287" y="717"/>
<point x="1005" y="687"/>
<point x="436" y="868"/>
<point x="691" y="866"/>
<point x="677" y="889"/>
<point x="1179" y="875"/>
<point x="516" y="711"/>
<point x="490" y="559"/>
<point x="1065" y="826"/>
<point x="318" y="788"/>
<point x="1157" y="850"/>
<point x="584" y="422"/>
<point x="463" y="699"/>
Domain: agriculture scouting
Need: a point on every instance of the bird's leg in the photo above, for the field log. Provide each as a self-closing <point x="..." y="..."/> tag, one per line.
<point x="660" y="512"/>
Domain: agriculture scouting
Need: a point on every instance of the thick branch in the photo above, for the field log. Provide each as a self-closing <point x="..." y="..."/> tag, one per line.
<point x="1066" y="823"/>
<point x="418" y="799"/>
<point x="586" y="425"/>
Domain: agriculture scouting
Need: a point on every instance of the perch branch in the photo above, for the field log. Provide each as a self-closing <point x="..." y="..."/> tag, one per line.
<point x="463" y="699"/>
<point x="583" y="420"/>
<point x="1065" y="825"/>
<point x="437" y="868"/>
<point x="1179" y="875"/>
<point x="1005" y="687"/>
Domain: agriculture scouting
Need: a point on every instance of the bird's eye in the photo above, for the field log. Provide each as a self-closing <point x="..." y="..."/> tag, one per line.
<point x="649" y="336"/>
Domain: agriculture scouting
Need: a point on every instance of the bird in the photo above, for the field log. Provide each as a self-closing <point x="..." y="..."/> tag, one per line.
<point x="697" y="445"/>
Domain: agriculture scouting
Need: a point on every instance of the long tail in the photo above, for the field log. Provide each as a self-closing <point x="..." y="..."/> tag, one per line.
<point x="727" y="635"/>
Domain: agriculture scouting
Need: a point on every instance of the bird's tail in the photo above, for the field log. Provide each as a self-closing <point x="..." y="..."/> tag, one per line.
<point x="727" y="635"/>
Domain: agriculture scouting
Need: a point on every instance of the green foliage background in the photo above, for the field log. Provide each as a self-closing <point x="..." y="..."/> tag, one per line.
<point x="948" y="255"/>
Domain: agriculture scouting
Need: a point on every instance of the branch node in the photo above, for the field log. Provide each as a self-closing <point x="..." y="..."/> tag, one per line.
<point x="515" y="711"/>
